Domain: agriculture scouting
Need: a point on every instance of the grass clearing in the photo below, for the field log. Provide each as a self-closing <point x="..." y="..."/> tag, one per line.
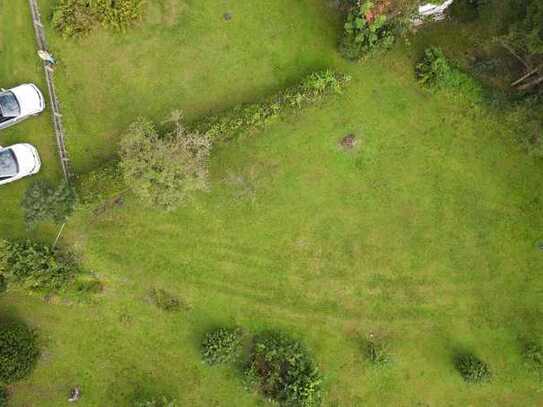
<point x="424" y="234"/>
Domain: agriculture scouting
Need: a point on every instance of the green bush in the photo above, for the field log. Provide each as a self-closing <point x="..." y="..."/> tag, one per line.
<point x="471" y="368"/>
<point x="3" y="283"/>
<point x="43" y="202"/>
<point x="37" y="266"/>
<point x="164" y="170"/>
<point x="18" y="351"/>
<point x="164" y="300"/>
<point x="311" y="90"/>
<point x="162" y="401"/>
<point x="365" y="33"/>
<point x="220" y="345"/>
<point x="284" y="370"/>
<point x="74" y="18"/>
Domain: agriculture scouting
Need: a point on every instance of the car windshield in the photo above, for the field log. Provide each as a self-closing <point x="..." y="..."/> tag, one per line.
<point x="9" y="107"/>
<point x="8" y="164"/>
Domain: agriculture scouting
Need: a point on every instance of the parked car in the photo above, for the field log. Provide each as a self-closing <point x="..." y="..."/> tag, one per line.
<point x="20" y="103"/>
<point x="18" y="161"/>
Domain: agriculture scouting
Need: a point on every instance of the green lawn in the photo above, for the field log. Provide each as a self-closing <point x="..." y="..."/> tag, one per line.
<point x="424" y="235"/>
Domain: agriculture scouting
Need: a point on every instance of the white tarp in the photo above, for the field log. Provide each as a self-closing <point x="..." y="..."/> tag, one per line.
<point x="435" y="12"/>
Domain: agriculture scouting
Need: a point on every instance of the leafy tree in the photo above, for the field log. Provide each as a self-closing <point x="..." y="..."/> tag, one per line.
<point x="164" y="171"/>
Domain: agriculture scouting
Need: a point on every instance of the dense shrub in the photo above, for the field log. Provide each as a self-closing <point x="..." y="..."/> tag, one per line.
<point x="365" y="32"/>
<point x="37" y="266"/>
<point x="73" y="18"/>
<point x="162" y="401"/>
<point x="220" y="345"/>
<point x="164" y="171"/>
<point x="472" y="369"/>
<point x="312" y="89"/>
<point x="284" y="371"/>
<point x="164" y="300"/>
<point x="43" y="202"/>
<point x="18" y="351"/>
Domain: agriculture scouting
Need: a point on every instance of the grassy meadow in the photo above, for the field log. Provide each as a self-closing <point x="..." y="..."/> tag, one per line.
<point x="424" y="234"/>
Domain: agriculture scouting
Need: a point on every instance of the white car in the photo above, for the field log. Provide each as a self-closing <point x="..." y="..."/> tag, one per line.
<point x="20" y="103"/>
<point x="18" y="161"/>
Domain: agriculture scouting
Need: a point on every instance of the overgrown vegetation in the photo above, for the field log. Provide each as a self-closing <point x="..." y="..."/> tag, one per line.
<point x="37" y="266"/>
<point x="532" y="352"/>
<point x="365" y="31"/>
<point x="18" y="351"/>
<point x="283" y="370"/>
<point x="221" y="345"/>
<point x="471" y="368"/>
<point x="376" y="352"/>
<point x="165" y="170"/>
<point x="165" y="300"/>
<point x="75" y="18"/>
<point x="43" y="202"/>
<point x="161" y="401"/>
<point x="244" y="118"/>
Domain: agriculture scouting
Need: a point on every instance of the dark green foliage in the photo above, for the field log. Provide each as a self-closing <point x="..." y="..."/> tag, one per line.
<point x="165" y="300"/>
<point x="43" y="202"/>
<point x="221" y="345"/>
<point x="527" y="32"/>
<point x="471" y="368"/>
<point x="3" y="283"/>
<point x="433" y="69"/>
<point x="532" y="352"/>
<point x="376" y="353"/>
<point x="284" y="371"/>
<point x="18" y="351"/>
<point x="3" y="397"/>
<point x="74" y="18"/>
<point x="37" y="266"/>
<point x="311" y="90"/>
<point x="365" y="33"/>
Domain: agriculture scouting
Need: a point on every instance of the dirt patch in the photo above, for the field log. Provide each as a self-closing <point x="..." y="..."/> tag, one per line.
<point x="348" y="142"/>
<point x="171" y="10"/>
